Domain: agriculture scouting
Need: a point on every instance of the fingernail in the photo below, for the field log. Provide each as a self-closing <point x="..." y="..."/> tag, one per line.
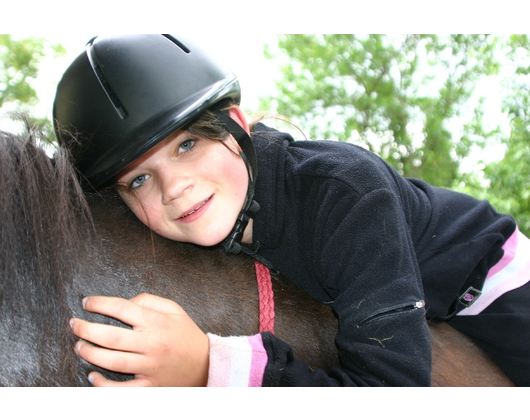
<point x="91" y="379"/>
<point x="83" y="302"/>
<point x="77" y="347"/>
<point x="71" y="323"/>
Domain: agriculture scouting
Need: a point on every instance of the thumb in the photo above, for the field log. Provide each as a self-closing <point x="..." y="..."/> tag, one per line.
<point x="156" y="303"/>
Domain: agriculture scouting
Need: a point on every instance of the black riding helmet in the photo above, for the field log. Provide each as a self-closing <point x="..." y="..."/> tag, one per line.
<point x="124" y="94"/>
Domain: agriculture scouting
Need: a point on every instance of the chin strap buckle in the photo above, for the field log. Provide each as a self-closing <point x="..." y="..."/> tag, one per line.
<point x="232" y="244"/>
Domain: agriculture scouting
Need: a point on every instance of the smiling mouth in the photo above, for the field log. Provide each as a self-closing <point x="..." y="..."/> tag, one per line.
<point x="196" y="209"/>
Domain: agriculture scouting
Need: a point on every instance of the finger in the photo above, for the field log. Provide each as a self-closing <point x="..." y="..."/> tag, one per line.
<point x="122" y="309"/>
<point x="98" y="380"/>
<point x="111" y="337"/>
<point x="116" y="361"/>
<point x="156" y="303"/>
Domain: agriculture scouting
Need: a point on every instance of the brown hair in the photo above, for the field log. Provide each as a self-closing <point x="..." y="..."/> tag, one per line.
<point x="207" y="125"/>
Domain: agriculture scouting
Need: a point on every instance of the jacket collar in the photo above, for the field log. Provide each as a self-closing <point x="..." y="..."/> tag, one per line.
<point x="271" y="148"/>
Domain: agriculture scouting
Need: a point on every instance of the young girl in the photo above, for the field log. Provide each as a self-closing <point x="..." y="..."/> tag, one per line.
<point x="157" y="118"/>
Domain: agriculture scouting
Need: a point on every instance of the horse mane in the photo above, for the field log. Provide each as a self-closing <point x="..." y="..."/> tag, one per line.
<point x="45" y="226"/>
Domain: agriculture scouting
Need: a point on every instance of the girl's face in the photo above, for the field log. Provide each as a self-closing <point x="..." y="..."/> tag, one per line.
<point x="188" y="189"/>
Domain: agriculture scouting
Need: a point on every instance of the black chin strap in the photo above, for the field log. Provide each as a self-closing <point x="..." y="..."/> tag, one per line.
<point x="232" y="244"/>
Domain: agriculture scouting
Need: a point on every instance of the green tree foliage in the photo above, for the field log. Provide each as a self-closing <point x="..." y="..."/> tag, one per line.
<point x="393" y="94"/>
<point x="408" y="99"/>
<point x="508" y="180"/>
<point x="19" y="67"/>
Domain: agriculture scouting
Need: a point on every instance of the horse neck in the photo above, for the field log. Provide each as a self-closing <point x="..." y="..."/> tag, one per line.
<point x="217" y="290"/>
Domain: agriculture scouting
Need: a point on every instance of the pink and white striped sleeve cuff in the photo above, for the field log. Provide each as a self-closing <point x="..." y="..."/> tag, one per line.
<point x="236" y="361"/>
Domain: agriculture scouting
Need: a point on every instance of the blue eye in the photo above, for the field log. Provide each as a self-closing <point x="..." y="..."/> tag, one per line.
<point x="186" y="145"/>
<point x="138" y="181"/>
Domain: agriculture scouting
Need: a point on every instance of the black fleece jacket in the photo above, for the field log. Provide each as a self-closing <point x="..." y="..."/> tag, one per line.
<point x="346" y="228"/>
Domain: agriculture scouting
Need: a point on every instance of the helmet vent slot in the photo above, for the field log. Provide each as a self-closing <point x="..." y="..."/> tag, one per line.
<point x="104" y="83"/>
<point x="177" y="42"/>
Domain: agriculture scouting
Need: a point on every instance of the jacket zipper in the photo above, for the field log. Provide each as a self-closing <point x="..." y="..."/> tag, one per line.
<point x="392" y="311"/>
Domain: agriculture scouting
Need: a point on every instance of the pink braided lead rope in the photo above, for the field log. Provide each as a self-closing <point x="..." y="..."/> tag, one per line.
<point x="266" y="298"/>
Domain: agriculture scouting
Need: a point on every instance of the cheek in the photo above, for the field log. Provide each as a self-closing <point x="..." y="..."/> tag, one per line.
<point x="142" y="215"/>
<point x="143" y="211"/>
<point x="225" y="168"/>
<point x="236" y="176"/>
<point x="151" y="215"/>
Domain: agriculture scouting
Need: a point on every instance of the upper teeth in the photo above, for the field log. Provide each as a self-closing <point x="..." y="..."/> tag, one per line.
<point x="194" y="210"/>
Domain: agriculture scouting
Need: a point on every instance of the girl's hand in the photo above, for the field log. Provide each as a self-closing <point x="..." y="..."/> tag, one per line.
<point x="164" y="348"/>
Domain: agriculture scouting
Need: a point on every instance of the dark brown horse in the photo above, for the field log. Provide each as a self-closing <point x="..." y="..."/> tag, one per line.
<point x="58" y="246"/>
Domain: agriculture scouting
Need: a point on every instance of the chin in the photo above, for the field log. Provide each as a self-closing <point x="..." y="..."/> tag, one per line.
<point x="206" y="240"/>
<point x="210" y="237"/>
<point x="209" y="243"/>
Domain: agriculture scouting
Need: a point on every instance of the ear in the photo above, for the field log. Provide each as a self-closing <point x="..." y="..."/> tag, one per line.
<point x="237" y="115"/>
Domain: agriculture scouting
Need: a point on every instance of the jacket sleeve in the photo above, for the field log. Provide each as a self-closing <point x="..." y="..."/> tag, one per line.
<point x="364" y="258"/>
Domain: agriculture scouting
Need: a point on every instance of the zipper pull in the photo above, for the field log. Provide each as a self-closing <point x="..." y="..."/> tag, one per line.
<point x="419" y="304"/>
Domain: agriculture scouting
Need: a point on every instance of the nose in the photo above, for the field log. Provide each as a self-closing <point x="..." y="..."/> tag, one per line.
<point x="174" y="184"/>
